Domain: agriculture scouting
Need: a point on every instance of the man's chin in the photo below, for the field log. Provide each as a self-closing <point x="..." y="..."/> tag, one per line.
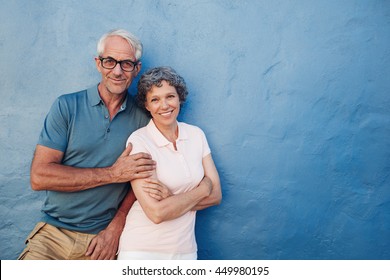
<point x="117" y="90"/>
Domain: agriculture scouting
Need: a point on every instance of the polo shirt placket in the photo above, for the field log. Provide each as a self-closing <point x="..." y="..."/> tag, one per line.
<point x="107" y="122"/>
<point x="181" y="158"/>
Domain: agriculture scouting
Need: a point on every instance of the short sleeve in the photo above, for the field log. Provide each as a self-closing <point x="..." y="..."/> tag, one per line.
<point x="205" y="145"/>
<point x="139" y="145"/>
<point x="55" y="129"/>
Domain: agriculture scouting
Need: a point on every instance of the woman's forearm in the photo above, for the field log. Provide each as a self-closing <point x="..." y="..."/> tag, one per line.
<point x="171" y="207"/>
<point x="213" y="199"/>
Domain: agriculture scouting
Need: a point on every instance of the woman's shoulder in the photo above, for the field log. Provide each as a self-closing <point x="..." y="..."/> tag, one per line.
<point x="139" y="140"/>
<point x="191" y="130"/>
<point x="139" y="133"/>
<point x="190" y="127"/>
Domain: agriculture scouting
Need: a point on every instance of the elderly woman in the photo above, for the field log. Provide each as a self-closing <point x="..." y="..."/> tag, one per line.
<point x="165" y="229"/>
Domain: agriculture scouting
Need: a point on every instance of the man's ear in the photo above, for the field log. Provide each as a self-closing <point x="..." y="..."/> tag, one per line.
<point x="138" y="68"/>
<point x="98" y="64"/>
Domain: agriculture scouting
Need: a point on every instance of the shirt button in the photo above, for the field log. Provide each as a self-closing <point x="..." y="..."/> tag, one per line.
<point x="108" y="130"/>
<point x="106" y="117"/>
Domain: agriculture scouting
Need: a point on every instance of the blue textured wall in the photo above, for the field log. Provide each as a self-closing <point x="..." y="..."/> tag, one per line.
<point x="293" y="95"/>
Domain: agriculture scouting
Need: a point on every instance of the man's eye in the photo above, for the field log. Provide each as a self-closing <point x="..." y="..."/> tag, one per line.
<point x="109" y="61"/>
<point x="127" y="64"/>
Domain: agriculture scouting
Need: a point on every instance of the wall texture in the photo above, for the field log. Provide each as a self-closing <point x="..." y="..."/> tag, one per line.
<point x="294" y="97"/>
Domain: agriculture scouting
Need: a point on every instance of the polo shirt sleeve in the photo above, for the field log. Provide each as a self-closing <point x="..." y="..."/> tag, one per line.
<point x="55" y="130"/>
<point x="205" y="145"/>
<point x="138" y="143"/>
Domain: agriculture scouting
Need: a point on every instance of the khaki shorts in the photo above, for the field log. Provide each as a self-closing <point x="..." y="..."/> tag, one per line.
<point x="47" y="242"/>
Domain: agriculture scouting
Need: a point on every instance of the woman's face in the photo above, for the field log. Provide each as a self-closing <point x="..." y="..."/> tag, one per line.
<point x="163" y="103"/>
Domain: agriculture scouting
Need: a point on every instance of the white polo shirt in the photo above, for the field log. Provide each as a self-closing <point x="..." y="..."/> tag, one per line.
<point x="180" y="170"/>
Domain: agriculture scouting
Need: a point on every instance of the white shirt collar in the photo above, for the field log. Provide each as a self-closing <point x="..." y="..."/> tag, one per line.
<point x="160" y="139"/>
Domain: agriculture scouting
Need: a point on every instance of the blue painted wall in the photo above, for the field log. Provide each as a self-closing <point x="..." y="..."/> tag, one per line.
<point x="294" y="97"/>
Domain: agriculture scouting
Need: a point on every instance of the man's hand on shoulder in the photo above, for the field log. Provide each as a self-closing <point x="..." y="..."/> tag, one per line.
<point x="129" y="167"/>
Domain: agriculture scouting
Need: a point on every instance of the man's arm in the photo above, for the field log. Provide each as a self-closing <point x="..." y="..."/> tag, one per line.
<point x="47" y="172"/>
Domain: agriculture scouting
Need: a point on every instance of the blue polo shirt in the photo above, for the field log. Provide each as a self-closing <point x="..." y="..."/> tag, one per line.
<point x="79" y="125"/>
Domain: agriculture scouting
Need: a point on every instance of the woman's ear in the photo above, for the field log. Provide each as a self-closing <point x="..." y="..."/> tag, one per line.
<point x="146" y="106"/>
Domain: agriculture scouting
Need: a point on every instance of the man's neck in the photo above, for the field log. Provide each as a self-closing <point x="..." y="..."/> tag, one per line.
<point x="112" y="101"/>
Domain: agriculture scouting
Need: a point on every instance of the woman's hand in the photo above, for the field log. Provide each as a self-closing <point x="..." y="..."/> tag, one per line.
<point x="156" y="189"/>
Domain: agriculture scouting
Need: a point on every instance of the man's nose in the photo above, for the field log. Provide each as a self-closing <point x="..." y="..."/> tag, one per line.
<point x="117" y="69"/>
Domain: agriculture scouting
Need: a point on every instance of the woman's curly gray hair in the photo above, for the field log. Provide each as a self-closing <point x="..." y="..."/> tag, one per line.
<point x="154" y="77"/>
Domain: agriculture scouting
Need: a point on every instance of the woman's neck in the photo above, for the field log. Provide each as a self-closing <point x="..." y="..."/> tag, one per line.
<point x="170" y="132"/>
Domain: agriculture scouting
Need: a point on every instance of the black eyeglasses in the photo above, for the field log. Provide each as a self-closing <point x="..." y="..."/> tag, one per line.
<point x="110" y="63"/>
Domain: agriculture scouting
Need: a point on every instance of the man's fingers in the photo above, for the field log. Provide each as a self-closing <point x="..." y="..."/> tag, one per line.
<point x="91" y="247"/>
<point x="144" y="168"/>
<point x="142" y="175"/>
<point x="106" y="253"/>
<point x="127" y="151"/>
<point x="98" y="253"/>
<point x="145" y="162"/>
<point x="142" y="156"/>
<point x="94" y="255"/>
<point x="136" y="156"/>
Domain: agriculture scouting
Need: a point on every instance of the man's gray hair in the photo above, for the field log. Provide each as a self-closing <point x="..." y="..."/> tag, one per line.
<point x="133" y="41"/>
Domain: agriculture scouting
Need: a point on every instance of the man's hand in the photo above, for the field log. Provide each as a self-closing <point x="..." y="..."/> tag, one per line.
<point x="104" y="245"/>
<point x="129" y="167"/>
<point x="156" y="189"/>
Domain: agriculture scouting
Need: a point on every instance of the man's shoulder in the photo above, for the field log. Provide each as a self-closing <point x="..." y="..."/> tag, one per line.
<point x="93" y="90"/>
<point x="75" y="97"/>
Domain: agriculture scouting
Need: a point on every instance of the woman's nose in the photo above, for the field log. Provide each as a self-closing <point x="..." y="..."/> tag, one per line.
<point x="164" y="103"/>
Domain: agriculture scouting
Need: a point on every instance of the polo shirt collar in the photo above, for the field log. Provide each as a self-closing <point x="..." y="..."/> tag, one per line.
<point x="160" y="139"/>
<point x="95" y="99"/>
<point x="93" y="96"/>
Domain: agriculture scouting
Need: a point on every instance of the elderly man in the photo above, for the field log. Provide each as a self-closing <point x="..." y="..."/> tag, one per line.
<point x="81" y="163"/>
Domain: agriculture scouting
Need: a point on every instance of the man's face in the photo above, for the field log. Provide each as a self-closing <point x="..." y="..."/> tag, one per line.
<point x="116" y="81"/>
